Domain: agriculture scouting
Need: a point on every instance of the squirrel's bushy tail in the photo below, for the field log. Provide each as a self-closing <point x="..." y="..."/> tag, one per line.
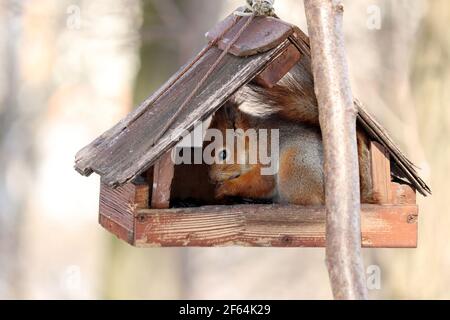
<point x="292" y="98"/>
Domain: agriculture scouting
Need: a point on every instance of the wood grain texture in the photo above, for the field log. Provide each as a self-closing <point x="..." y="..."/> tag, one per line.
<point x="116" y="229"/>
<point x="275" y="71"/>
<point x="126" y="150"/>
<point x="118" y="208"/>
<point x="269" y="226"/>
<point x="407" y="170"/>
<point x="162" y="181"/>
<point x="380" y="165"/>
<point x="263" y="34"/>
<point x="402" y="194"/>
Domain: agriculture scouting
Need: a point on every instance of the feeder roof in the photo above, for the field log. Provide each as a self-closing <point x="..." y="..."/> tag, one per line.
<point x="127" y="149"/>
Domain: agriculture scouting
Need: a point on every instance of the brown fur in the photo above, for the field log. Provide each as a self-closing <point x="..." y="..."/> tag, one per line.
<point x="238" y="180"/>
<point x="300" y="177"/>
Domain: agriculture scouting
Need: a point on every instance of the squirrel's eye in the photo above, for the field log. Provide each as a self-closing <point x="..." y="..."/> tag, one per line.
<point x="223" y="154"/>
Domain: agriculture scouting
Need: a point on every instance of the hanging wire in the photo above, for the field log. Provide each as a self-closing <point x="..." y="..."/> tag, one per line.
<point x="258" y="8"/>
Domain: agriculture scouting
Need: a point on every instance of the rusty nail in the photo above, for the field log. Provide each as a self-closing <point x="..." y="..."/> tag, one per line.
<point x="412" y="218"/>
<point x="141" y="218"/>
<point x="286" y="239"/>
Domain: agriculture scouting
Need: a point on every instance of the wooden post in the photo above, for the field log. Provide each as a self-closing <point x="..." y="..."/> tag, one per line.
<point x="162" y="181"/>
<point x="337" y="115"/>
<point x="118" y="207"/>
<point x="381" y="173"/>
<point x="275" y="71"/>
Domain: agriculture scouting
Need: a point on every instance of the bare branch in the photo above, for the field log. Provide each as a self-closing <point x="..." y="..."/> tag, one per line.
<point x="338" y="123"/>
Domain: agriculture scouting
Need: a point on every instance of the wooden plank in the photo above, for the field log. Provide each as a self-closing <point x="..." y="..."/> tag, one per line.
<point x="402" y="194"/>
<point x="278" y="68"/>
<point x="118" y="207"/>
<point x="127" y="149"/>
<point x="269" y="226"/>
<point x="381" y="173"/>
<point x="116" y="229"/>
<point x="162" y="181"/>
<point x="263" y="34"/>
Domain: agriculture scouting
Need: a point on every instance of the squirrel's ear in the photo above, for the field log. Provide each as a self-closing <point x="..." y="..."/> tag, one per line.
<point x="225" y="116"/>
<point x="231" y="109"/>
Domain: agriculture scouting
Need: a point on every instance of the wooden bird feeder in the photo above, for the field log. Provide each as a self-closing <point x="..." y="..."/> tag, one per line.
<point x="141" y="188"/>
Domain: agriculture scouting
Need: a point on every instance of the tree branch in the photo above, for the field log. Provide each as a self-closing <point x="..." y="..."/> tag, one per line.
<point x="337" y="115"/>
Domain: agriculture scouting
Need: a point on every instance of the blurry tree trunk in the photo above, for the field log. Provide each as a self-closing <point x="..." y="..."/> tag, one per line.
<point x="13" y="155"/>
<point x="78" y="62"/>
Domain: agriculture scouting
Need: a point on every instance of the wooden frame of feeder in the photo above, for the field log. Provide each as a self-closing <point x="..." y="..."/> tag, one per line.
<point x="127" y="213"/>
<point x="137" y="174"/>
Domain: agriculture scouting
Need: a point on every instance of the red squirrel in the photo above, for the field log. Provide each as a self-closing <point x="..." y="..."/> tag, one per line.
<point x="292" y="109"/>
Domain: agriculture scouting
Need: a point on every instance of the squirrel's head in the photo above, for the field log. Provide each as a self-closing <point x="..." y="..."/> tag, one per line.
<point x="234" y="174"/>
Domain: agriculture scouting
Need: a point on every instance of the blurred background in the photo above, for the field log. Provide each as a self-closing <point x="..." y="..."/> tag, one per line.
<point x="70" y="69"/>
